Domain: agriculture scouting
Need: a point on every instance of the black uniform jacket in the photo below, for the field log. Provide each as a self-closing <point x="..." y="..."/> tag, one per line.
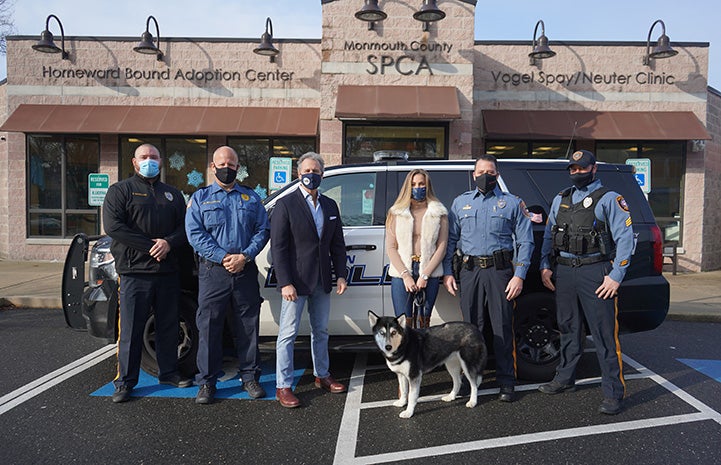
<point x="135" y="211"/>
<point x="300" y="257"/>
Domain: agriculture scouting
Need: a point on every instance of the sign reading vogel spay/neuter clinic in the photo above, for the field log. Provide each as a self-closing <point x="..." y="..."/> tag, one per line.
<point x="98" y="184"/>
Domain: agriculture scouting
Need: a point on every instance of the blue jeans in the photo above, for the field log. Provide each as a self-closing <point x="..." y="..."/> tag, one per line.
<point x="403" y="301"/>
<point x="290" y="315"/>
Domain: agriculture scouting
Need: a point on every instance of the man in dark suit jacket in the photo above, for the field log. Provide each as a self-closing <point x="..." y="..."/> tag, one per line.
<point x="306" y="242"/>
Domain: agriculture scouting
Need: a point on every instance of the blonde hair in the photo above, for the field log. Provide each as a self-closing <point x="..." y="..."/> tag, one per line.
<point x="404" y="196"/>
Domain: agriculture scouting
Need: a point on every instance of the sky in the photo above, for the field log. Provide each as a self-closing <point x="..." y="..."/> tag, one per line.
<point x="604" y="20"/>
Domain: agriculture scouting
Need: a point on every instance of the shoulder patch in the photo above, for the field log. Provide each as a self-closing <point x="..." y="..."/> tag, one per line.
<point x="622" y="203"/>
<point x="524" y="209"/>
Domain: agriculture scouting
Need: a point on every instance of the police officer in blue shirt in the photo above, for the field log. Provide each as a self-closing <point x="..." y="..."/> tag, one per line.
<point x="487" y="225"/>
<point x="227" y="226"/>
<point x="589" y="235"/>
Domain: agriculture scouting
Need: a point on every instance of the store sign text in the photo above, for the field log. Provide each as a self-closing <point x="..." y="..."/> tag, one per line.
<point x="581" y="78"/>
<point x="195" y="75"/>
<point x="406" y="64"/>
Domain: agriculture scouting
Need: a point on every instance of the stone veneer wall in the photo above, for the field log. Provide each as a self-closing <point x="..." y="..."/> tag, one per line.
<point x="711" y="253"/>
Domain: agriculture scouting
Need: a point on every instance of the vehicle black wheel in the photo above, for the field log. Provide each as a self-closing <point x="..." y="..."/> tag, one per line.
<point x="538" y="340"/>
<point x="187" y="340"/>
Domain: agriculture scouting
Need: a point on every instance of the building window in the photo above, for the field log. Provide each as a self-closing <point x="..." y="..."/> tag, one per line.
<point x="528" y="149"/>
<point x="254" y="155"/>
<point x="420" y="141"/>
<point x="57" y="179"/>
<point x="667" y="178"/>
<point x="185" y="160"/>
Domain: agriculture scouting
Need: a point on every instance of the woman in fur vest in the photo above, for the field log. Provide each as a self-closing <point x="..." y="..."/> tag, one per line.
<point x="416" y="237"/>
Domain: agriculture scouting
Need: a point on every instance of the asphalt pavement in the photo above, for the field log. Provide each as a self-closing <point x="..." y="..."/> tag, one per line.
<point x="37" y="284"/>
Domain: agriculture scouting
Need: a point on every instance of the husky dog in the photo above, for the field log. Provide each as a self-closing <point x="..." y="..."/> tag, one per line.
<point x="410" y="353"/>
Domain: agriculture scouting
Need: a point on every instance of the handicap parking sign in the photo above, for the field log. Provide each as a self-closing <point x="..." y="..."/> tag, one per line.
<point x="642" y="172"/>
<point x="279" y="172"/>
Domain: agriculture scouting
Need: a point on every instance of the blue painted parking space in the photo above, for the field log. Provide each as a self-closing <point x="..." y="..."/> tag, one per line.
<point x="710" y="368"/>
<point x="228" y="386"/>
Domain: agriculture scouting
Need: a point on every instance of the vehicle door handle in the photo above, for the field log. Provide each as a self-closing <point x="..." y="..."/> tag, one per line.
<point x="360" y="247"/>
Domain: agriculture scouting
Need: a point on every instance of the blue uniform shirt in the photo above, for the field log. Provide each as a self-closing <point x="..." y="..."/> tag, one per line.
<point x="219" y="222"/>
<point x="481" y="224"/>
<point x="612" y="210"/>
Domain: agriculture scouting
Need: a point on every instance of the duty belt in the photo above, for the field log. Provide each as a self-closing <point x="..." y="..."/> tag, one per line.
<point x="483" y="262"/>
<point x="578" y="261"/>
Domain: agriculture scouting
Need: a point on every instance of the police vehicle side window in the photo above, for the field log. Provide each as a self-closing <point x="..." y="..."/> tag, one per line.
<point x="355" y="194"/>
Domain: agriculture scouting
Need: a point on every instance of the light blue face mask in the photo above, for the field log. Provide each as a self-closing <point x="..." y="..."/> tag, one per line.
<point x="148" y="168"/>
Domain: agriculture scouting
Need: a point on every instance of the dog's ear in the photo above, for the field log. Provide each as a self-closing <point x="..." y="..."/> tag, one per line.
<point x="372" y="318"/>
<point x="401" y="321"/>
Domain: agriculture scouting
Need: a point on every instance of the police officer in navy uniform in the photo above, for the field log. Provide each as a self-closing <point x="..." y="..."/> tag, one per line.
<point x="492" y="230"/>
<point x="144" y="217"/>
<point x="228" y="226"/>
<point x="586" y="223"/>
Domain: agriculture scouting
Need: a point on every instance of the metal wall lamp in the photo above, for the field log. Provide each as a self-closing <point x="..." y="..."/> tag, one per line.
<point x="663" y="47"/>
<point x="46" y="44"/>
<point x="266" y="42"/>
<point x="371" y="12"/>
<point x="539" y="48"/>
<point x="146" y="45"/>
<point x="429" y="13"/>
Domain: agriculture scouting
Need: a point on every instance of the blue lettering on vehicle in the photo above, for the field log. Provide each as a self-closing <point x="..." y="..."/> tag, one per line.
<point x="356" y="273"/>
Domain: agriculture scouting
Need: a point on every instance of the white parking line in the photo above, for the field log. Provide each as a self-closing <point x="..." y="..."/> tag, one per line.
<point x="348" y="432"/>
<point x="30" y="390"/>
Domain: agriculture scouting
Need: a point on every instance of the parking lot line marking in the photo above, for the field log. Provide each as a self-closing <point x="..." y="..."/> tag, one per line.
<point x="32" y="389"/>
<point x="526" y="439"/>
<point x="350" y="423"/>
<point x="675" y="390"/>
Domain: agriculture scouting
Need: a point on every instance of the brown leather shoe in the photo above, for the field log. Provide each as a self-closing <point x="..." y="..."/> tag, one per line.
<point x="286" y="397"/>
<point x="330" y="385"/>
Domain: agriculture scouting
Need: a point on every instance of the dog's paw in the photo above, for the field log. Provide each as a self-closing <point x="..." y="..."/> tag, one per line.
<point x="471" y="403"/>
<point x="448" y="398"/>
<point x="406" y="414"/>
<point x="399" y="403"/>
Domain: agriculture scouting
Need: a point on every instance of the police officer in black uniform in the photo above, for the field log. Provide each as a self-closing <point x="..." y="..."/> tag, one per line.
<point x="493" y="231"/>
<point x="589" y="235"/>
<point x="145" y="219"/>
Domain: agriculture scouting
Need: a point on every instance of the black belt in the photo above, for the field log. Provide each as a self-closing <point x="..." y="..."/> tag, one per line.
<point x="578" y="261"/>
<point x="483" y="262"/>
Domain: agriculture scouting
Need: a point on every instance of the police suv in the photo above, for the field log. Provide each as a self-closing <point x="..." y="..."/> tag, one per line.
<point x="364" y="193"/>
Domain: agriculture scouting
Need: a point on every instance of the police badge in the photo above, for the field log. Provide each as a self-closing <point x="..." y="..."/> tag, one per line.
<point x="169" y="196"/>
<point x="587" y="202"/>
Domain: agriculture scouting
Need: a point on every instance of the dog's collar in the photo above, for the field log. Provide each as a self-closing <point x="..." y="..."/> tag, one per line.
<point x="393" y="358"/>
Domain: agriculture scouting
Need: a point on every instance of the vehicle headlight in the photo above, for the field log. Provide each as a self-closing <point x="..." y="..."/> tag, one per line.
<point x="102" y="265"/>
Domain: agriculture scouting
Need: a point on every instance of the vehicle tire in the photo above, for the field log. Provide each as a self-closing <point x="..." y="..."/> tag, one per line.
<point x="538" y="339"/>
<point x="187" y="340"/>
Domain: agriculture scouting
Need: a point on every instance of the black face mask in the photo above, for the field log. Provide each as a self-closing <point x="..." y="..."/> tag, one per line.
<point x="486" y="182"/>
<point x="581" y="180"/>
<point x="225" y="175"/>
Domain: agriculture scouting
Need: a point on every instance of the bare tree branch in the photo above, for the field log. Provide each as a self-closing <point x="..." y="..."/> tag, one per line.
<point x="7" y="24"/>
